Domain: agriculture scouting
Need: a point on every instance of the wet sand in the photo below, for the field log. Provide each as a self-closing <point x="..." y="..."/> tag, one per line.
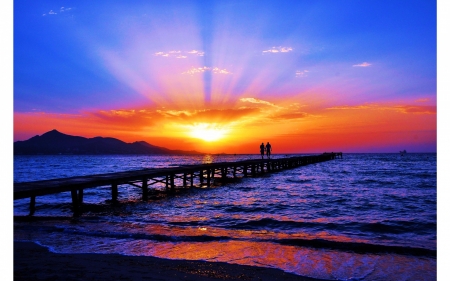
<point x="33" y="262"/>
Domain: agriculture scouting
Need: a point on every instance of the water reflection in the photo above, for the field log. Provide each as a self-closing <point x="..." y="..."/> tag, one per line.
<point x="208" y="159"/>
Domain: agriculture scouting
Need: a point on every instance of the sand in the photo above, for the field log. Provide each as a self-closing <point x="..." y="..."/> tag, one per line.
<point x="34" y="262"/>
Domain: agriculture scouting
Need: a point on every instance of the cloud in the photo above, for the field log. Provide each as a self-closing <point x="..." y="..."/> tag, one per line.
<point x="208" y="115"/>
<point x="61" y="10"/>
<point x="407" y="109"/>
<point x="130" y="118"/>
<point x="220" y="71"/>
<point x="353" y="107"/>
<point x="364" y="64"/>
<point x="195" y="52"/>
<point x="416" y="109"/>
<point x="293" y="115"/>
<point x="50" y="13"/>
<point x="257" y="101"/>
<point x="300" y="73"/>
<point x="179" y="54"/>
<point x="174" y="113"/>
<point x="278" y="50"/>
<point x="215" y="70"/>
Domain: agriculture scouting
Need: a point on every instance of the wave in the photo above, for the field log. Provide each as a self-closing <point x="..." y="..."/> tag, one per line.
<point x="357" y="228"/>
<point x="355" y="247"/>
<point x="362" y="248"/>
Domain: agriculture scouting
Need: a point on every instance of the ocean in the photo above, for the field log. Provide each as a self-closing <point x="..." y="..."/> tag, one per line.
<point x="363" y="217"/>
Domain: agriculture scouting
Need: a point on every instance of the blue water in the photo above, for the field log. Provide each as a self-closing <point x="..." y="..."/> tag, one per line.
<point x="363" y="217"/>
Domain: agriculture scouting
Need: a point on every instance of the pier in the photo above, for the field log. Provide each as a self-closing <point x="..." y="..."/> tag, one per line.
<point x="185" y="176"/>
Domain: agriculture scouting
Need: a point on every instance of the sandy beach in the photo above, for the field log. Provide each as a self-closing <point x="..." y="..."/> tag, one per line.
<point x="34" y="262"/>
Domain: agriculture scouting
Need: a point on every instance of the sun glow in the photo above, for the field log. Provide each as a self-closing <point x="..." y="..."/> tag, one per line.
<point x="208" y="132"/>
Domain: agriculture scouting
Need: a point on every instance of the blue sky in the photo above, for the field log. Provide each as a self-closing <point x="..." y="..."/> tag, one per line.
<point x="58" y="44"/>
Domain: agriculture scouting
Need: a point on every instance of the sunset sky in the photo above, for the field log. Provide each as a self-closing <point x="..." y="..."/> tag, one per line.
<point x="224" y="76"/>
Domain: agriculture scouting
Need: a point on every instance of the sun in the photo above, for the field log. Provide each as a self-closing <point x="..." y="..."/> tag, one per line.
<point x="208" y="132"/>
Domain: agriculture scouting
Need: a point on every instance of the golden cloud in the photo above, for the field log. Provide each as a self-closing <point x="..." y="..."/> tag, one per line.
<point x="399" y="108"/>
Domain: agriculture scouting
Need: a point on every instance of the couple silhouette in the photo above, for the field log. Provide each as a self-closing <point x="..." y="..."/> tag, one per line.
<point x="267" y="148"/>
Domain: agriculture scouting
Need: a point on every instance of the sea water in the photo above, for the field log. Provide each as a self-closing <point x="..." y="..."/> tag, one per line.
<point x="363" y="217"/>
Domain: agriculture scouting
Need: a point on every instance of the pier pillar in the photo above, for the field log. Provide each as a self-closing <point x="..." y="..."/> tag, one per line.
<point x="80" y="196"/>
<point x="192" y="179"/>
<point x="172" y="181"/>
<point x="144" y="189"/>
<point x="234" y="172"/>
<point x="201" y="177"/>
<point x="114" y="192"/>
<point x="224" y="172"/>
<point x="32" y="205"/>
<point x="208" y="177"/>
<point x="184" y="179"/>
<point x="75" y="202"/>
<point x="245" y="170"/>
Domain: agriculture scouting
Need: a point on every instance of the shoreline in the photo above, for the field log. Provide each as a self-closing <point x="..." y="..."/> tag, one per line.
<point x="35" y="262"/>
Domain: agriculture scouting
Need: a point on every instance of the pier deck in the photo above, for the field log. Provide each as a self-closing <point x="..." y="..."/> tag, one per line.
<point x="175" y="177"/>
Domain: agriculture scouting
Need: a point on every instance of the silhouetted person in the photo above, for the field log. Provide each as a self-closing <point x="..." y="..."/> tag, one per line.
<point x="261" y="150"/>
<point x="268" y="149"/>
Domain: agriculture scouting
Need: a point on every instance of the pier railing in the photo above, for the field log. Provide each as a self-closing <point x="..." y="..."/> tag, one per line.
<point x="185" y="176"/>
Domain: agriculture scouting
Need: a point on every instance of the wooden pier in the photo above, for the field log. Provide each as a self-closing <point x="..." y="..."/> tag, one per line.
<point x="170" y="178"/>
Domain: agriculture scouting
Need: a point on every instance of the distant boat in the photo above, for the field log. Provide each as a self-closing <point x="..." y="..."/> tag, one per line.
<point x="402" y="152"/>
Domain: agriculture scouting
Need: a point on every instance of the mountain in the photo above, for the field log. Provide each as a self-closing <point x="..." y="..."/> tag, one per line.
<point x="54" y="142"/>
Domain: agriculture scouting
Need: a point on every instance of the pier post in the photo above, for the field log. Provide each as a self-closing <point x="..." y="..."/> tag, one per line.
<point x="245" y="170"/>
<point x="192" y="179"/>
<point x="114" y="192"/>
<point x="144" y="189"/>
<point x="75" y="202"/>
<point x="184" y="179"/>
<point x="32" y="205"/>
<point x="201" y="177"/>
<point x="172" y="182"/>
<point x="208" y="177"/>
<point x="234" y="171"/>
<point x="224" y="173"/>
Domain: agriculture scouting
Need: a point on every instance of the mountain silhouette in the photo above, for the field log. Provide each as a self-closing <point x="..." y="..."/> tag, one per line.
<point x="55" y="142"/>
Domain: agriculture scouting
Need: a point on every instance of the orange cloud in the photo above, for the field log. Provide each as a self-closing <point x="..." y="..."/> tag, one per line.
<point x="210" y="115"/>
<point x="417" y="109"/>
<point x="399" y="108"/>
<point x="293" y="115"/>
